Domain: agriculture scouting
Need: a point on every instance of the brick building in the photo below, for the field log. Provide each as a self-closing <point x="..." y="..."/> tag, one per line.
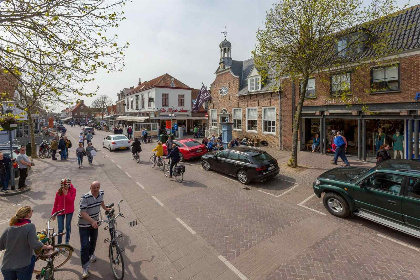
<point x="81" y="112"/>
<point x="239" y="96"/>
<point x="382" y="95"/>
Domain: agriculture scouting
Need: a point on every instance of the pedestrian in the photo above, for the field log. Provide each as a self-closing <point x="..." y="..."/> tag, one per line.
<point x="80" y="153"/>
<point x="169" y="144"/>
<point x="82" y="138"/>
<point x="205" y="141"/>
<point x="383" y="154"/>
<point x="64" y="200"/>
<point x="62" y="147"/>
<point x="129" y="132"/>
<point x="90" y="152"/>
<point x="340" y="150"/>
<point x="20" y="240"/>
<point x="23" y="164"/>
<point x="54" y="147"/>
<point x="144" y="135"/>
<point x="89" y="137"/>
<point x="315" y="143"/>
<point x="195" y="132"/>
<point x="68" y="146"/>
<point x="89" y="213"/>
<point x="175" y="158"/>
<point x="5" y="163"/>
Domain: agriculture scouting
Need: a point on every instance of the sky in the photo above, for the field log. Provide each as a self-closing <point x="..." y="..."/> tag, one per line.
<point x="181" y="38"/>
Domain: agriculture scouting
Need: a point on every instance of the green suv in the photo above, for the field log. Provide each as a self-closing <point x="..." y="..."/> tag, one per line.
<point x="388" y="194"/>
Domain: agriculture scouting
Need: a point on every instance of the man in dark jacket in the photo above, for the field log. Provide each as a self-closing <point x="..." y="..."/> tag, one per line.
<point x="5" y="163"/>
<point x="383" y="154"/>
<point x="62" y="148"/>
<point x="136" y="146"/>
<point x="175" y="158"/>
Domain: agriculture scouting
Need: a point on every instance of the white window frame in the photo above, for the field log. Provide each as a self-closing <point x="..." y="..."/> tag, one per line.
<point x="247" y="119"/>
<point x="211" y="117"/>
<point x="233" y="119"/>
<point x="181" y="100"/>
<point x="271" y="126"/>
<point x="256" y="81"/>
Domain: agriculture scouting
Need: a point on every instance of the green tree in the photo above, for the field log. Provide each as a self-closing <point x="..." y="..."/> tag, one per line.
<point x="304" y="37"/>
<point x="101" y="103"/>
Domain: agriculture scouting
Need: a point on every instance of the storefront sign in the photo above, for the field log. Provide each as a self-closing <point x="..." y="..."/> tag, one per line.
<point x="417" y="98"/>
<point x="170" y="110"/>
<point x="349" y="100"/>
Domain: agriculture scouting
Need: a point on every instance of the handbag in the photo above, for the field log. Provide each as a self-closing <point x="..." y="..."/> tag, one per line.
<point x="92" y="153"/>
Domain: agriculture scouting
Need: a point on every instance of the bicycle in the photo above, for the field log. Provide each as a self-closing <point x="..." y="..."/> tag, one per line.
<point x="157" y="161"/>
<point x="136" y="157"/>
<point x="115" y="252"/>
<point x="47" y="272"/>
<point x="63" y="255"/>
<point x="177" y="171"/>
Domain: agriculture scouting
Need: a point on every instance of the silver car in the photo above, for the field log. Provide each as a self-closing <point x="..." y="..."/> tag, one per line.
<point x="116" y="142"/>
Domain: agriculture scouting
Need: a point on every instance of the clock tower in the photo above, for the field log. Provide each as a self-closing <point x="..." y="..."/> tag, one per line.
<point x="225" y="54"/>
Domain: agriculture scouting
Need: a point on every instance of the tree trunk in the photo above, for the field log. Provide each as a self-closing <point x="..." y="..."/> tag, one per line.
<point x="32" y="131"/>
<point x="296" y="122"/>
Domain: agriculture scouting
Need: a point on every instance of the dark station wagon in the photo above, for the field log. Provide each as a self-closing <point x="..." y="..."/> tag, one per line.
<point x="246" y="163"/>
<point x="388" y="194"/>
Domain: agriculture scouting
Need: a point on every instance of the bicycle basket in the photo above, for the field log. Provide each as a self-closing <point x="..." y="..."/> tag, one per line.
<point x="180" y="169"/>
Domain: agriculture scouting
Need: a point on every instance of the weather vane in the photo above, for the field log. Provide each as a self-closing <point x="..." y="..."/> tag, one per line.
<point x="224" y="32"/>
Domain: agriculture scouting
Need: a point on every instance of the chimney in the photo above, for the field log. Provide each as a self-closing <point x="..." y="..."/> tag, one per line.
<point x="139" y="81"/>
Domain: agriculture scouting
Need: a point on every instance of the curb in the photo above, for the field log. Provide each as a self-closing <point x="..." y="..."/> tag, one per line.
<point x="15" y="192"/>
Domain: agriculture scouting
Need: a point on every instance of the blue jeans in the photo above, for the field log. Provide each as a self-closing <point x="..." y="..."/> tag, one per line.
<point x="341" y="152"/>
<point x="5" y="181"/>
<point x="88" y="237"/>
<point x="63" y="154"/>
<point x="314" y="146"/>
<point x="24" y="273"/>
<point x="80" y="159"/>
<point x="60" y="221"/>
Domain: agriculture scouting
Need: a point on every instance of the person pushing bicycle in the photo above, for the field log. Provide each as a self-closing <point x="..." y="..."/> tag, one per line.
<point x="136" y="147"/>
<point x="174" y="157"/>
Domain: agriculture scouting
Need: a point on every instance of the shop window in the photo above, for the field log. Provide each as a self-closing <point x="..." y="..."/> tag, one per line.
<point x="269" y="120"/>
<point x="340" y="84"/>
<point x="385" y="79"/>
<point x="237" y="118"/>
<point x="137" y="102"/>
<point x="252" y="119"/>
<point x="254" y="83"/>
<point x="181" y="100"/>
<point x="310" y="88"/>
<point x="213" y="118"/>
<point x="165" y="99"/>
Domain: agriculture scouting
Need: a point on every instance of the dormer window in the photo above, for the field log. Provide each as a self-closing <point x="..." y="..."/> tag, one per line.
<point x="352" y="44"/>
<point x="254" y="83"/>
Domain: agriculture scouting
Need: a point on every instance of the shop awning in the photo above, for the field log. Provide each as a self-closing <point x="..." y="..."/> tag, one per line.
<point x="136" y="119"/>
<point x="178" y="118"/>
<point x="121" y="118"/>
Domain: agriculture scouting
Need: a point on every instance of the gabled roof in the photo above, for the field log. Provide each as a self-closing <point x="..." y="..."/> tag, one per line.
<point x="164" y="81"/>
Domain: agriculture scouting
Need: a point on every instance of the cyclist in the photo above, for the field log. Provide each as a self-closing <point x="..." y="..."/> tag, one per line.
<point x="136" y="147"/>
<point x="175" y="158"/>
<point x="158" y="150"/>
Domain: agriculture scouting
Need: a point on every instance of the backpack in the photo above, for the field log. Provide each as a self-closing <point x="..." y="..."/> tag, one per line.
<point x="69" y="144"/>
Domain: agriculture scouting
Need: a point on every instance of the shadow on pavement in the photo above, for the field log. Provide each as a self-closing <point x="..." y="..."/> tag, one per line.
<point x="279" y="183"/>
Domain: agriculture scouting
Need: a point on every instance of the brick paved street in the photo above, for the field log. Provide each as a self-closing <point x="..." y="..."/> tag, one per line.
<point x="210" y="227"/>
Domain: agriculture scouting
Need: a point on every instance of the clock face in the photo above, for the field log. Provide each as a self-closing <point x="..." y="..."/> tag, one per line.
<point x="223" y="91"/>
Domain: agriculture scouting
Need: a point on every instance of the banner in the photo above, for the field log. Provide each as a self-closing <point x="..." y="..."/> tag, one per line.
<point x="202" y="97"/>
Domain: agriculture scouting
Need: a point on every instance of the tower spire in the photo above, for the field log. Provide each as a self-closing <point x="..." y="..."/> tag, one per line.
<point x="224" y="32"/>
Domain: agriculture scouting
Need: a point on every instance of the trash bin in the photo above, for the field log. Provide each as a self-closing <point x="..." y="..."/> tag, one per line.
<point x="28" y="149"/>
<point x="163" y="138"/>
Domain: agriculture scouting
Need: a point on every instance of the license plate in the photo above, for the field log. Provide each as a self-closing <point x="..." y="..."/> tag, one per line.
<point x="198" y="151"/>
<point x="123" y="148"/>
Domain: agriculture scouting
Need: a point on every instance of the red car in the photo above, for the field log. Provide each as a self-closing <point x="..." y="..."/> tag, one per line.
<point x="189" y="148"/>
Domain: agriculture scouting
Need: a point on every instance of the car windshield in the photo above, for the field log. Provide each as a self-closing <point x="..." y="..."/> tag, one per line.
<point x="367" y="171"/>
<point x="192" y="143"/>
<point x="89" y="128"/>
<point x="262" y="158"/>
<point x="119" y="138"/>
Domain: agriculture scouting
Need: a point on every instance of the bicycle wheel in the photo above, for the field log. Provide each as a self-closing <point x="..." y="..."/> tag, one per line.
<point x="161" y="164"/>
<point x="179" y="177"/>
<point x="116" y="260"/>
<point x="66" y="252"/>
<point x="152" y="161"/>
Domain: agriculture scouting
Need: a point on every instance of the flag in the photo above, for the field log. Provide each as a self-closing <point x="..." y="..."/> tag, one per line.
<point x="202" y="97"/>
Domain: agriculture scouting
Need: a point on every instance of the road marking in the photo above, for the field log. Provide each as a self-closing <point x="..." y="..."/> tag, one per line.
<point x="283" y="193"/>
<point x="306" y="207"/>
<point x="128" y="174"/>
<point x="158" y="201"/>
<point x="185" y="225"/>
<point x="231" y="267"/>
<point x="140" y="185"/>
<point x="119" y="166"/>
<point x="113" y="160"/>
<point x="399" y="242"/>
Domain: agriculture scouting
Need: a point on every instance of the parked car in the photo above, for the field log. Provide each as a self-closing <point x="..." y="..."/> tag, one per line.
<point x="86" y="129"/>
<point x="246" y="163"/>
<point x="388" y="194"/>
<point x="116" y="142"/>
<point x="189" y="149"/>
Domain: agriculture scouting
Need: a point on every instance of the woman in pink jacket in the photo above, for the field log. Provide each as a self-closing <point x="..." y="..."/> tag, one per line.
<point x="64" y="199"/>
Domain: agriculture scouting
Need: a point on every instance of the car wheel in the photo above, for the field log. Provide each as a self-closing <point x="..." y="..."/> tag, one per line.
<point x="243" y="177"/>
<point x="206" y="165"/>
<point x="110" y="149"/>
<point x="336" y="205"/>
